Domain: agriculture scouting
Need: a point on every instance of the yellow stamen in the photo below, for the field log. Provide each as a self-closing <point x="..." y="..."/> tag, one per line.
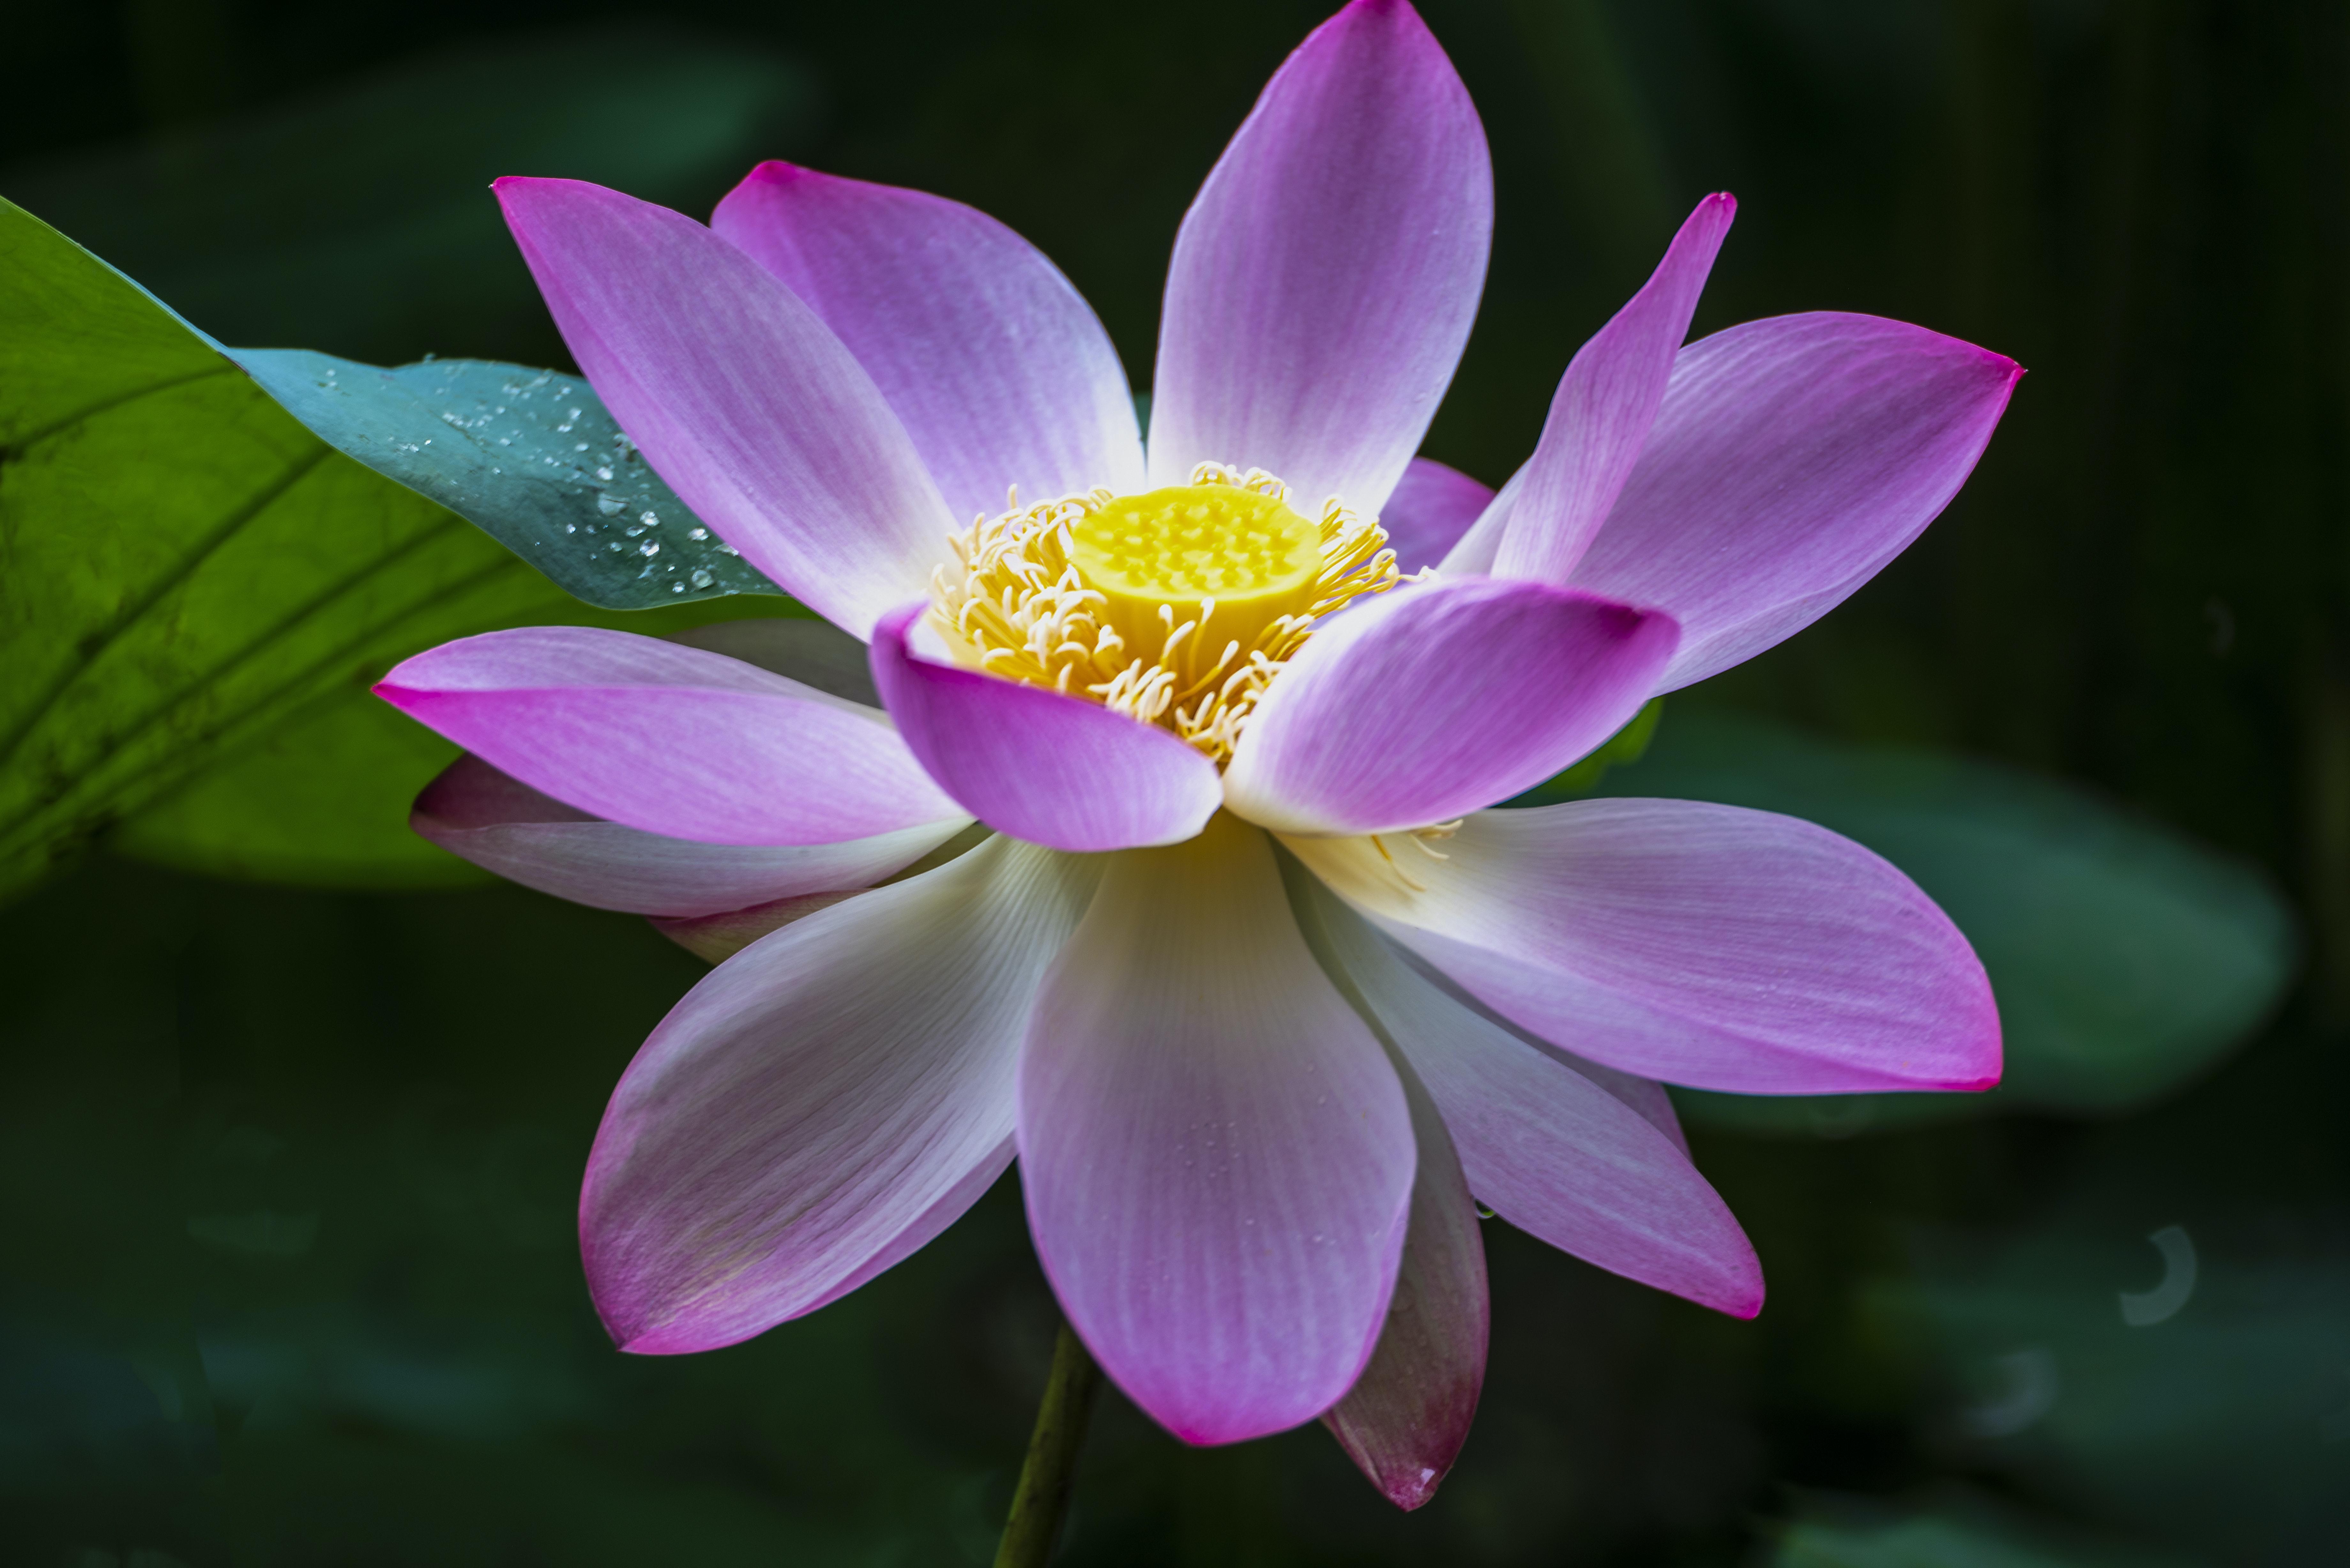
<point x="1177" y="607"/>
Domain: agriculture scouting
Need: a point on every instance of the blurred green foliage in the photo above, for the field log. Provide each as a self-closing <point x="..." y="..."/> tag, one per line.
<point x="288" y="1174"/>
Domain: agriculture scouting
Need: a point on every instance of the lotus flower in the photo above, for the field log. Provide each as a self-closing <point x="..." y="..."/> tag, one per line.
<point x="1173" y="766"/>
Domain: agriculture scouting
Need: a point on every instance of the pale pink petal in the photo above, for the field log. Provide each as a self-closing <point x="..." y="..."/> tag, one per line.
<point x="741" y="398"/>
<point x="1432" y="508"/>
<point x="1701" y="944"/>
<point x="1326" y="276"/>
<point x="822" y="1102"/>
<point x="1605" y="406"/>
<point x="1404" y="1420"/>
<point x="1474" y="554"/>
<point x="1793" y="458"/>
<point x="503" y="824"/>
<point x="1544" y="1146"/>
<point x="1440" y="699"/>
<point x="995" y="366"/>
<point x="1038" y="765"/>
<point x="1217" y="1157"/>
<point x="671" y="740"/>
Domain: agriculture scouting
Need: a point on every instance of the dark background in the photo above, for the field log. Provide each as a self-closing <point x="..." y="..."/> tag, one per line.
<point x="288" y="1173"/>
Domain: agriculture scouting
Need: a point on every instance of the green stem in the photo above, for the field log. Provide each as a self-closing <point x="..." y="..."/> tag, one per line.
<point x="1045" y="1479"/>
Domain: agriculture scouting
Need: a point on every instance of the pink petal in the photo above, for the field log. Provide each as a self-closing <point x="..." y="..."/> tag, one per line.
<point x="1544" y="1146"/>
<point x="1404" y="1420"/>
<point x="670" y="740"/>
<point x="503" y="824"/>
<point x="1431" y="509"/>
<point x="995" y="366"/>
<point x="1605" y="404"/>
<point x="822" y="1102"/>
<point x="1793" y="458"/>
<point x="1327" y="274"/>
<point x="1217" y="1156"/>
<point x="739" y="395"/>
<point x="1701" y="944"/>
<point x="1038" y="765"/>
<point x="1438" y="700"/>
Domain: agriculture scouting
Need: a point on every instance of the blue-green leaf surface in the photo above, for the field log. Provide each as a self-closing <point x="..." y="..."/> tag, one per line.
<point x="529" y="456"/>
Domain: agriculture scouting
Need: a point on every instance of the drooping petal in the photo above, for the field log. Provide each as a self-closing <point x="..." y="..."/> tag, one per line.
<point x="1217" y="1156"/>
<point x="1038" y="765"/>
<point x="671" y="740"/>
<point x="741" y="398"/>
<point x="503" y="824"/>
<point x="1404" y="1420"/>
<point x="1473" y="553"/>
<point x="1606" y="405"/>
<point x="1438" y="700"/>
<point x="1792" y="459"/>
<point x="1544" y="1145"/>
<point x="1432" y="508"/>
<point x="1324" y="279"/>
<point x="997" y="366"/>
<point x="1699" y="944"/>
<point x="822" y="1102"/>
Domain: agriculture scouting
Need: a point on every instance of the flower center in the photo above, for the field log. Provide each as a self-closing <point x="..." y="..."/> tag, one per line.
<point x="1177" y="607"/>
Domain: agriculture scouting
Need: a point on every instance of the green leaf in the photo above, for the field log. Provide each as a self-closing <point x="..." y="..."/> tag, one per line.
<point x="1963" y="1534"/>
<point x="530" y="456"/>
<point x="2126" y="958"/>
<point x="188" y="571"/>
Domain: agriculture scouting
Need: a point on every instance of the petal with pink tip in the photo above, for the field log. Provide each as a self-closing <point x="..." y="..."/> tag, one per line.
<point x="1217" y="1156"/>
<point x="1438" y="700"/>
<point x="822" y="1102"/>
<point x="503" y="824"/>
<point x="1404" y="1420"/>
<point x="997" y="366"/>
<point x="1324" y="279"/>
<point x="1430" y="510"/>
<point x="1606" y="405"/>
<point x="741" y="398"/>
<point x="670" y="740"/>
<point x="1699" y="944"/>
<point x="1544" y="1145"/>
<point x="1036" y="765"/>
<point x="1792" y="459"/>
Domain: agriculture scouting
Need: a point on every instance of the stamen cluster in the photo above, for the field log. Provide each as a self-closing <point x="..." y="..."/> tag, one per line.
<point x="1016" y="603"/>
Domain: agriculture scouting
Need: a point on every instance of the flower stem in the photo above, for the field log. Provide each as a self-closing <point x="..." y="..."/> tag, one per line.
<point x="1045" y="1479"/>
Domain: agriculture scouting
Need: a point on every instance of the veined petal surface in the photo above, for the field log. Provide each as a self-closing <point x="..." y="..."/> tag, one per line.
<point x="1217" y="1156"/>
<point x="1698" y="944"/>
<point x="997" y="366"/>
<point x="1324" y="279"/>
<point x="1404" y="1420"/>
<point x="670" y="740"/>
<point x="1544" y="1145"/>
<point x="1432" y="508"/>
<point x="503" y="824"/>
<point x="1792" y="459"/>
<point x="823" y="1102"/>
<point x="1606" y="405"/>
<point x="738" y="394"/>
<point x="1440" y="699"/>
<point x="1036" y="765"/>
